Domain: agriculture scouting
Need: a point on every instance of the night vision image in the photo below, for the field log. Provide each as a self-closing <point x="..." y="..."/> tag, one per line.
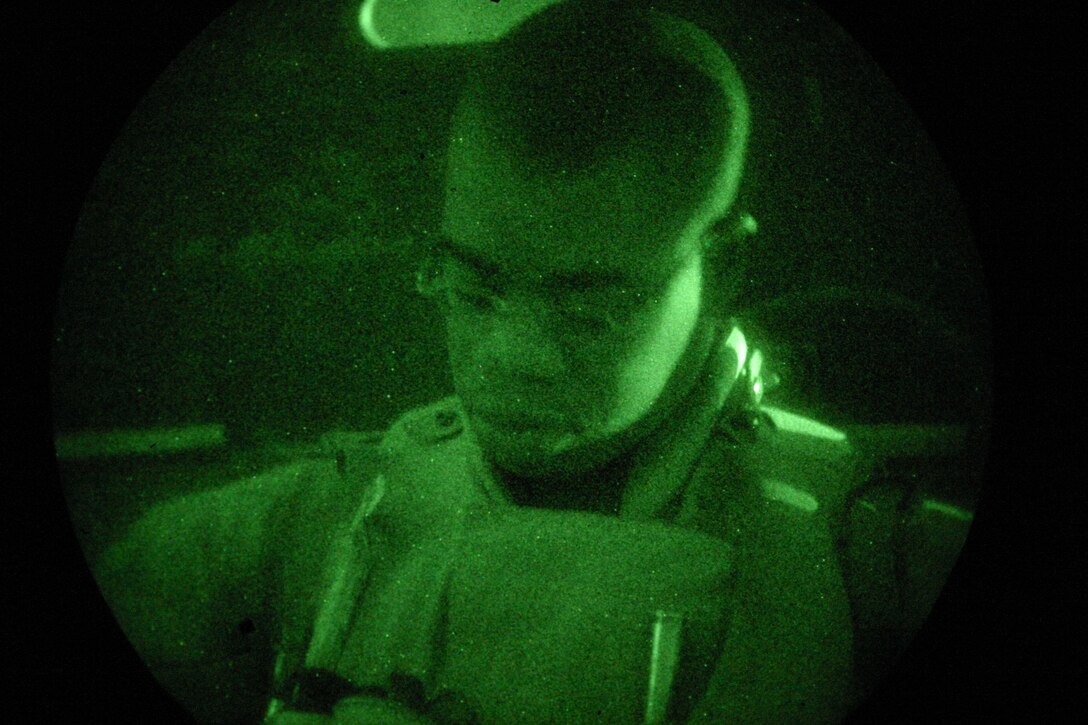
<point x="539" y="361"/>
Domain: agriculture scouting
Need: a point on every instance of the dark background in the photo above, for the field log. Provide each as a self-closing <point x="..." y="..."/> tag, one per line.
<point x="985" y="85"/>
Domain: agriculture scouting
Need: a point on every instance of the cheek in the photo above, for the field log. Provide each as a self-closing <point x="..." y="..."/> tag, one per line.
<point x="638" y="378"/>
<point x="606" y="386"/>
<point x="462" y="347"/>
<point x="596" y="379"/>
<point x="589" y="392"/>
<point x="641" y="375"/>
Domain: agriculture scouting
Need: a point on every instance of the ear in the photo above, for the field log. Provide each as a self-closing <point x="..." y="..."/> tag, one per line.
<point x="732" y="226"/>
<point x="726" y="255"/>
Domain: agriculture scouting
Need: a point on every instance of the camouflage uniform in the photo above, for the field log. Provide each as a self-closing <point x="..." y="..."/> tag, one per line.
<point x="400" y="556"/>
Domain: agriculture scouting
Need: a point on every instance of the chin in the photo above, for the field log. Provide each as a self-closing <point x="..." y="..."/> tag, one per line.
<point x="522" y="454"/>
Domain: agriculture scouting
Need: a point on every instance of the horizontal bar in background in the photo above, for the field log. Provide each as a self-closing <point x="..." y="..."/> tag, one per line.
<point x="909" y="441"/>
<point x="137" y="442"/>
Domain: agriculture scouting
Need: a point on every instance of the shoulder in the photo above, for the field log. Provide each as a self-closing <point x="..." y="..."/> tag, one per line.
<point x="791" y="629"/>
<point x="193" y="552"/>
<point x="433" y="476"/>
<point x="381" y="475"/>
<point x="189" y="585"/>
<point x="426" y="426"/>
<point x="417" y="441"/>
<point x="897" y="507"/>
<point x="362" y="454"/>
<point x="795" y="459"/>
<point x="387" y="467"/>
<point x="428" y="454"/>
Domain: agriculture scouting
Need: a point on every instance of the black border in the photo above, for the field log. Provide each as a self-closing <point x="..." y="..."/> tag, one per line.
<point x="976" y="81"/>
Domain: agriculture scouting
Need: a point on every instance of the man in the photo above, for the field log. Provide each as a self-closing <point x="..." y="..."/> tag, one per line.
<point x="604" y="523"/>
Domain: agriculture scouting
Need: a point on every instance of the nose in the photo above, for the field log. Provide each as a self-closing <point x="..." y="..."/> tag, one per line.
<point x="522" y="348"/>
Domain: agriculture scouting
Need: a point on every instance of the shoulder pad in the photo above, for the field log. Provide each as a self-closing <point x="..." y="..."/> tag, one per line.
<point x="429" y="425"/>
<point x="795" y="460"/>
<point x="780" y="429"/>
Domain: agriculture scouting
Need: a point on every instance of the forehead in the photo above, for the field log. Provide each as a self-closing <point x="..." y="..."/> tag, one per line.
<point x="618" y="220"/>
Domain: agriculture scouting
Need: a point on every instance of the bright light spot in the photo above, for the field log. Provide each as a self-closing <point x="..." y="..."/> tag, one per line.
<point x="95" y="444"/>
<point x="740" y="347"/>
<point x="366" y="25"/>
<point x="947" y="509"/>
<point x="787" y="494"/>
<point x="793" y="423"/>
<point x="421" y="23"/>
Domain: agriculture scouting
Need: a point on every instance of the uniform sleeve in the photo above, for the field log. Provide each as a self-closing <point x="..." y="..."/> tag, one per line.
<point x="192" y="585"/>
<point x="898" y="548"/>
<point x="787" y="658"/>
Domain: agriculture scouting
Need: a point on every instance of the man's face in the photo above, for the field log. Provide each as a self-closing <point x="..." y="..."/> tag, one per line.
<point x="599" y="284"/>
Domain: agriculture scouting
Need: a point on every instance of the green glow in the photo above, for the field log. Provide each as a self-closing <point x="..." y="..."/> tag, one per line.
<point x="366" y="25"/>
<point x="793" y="423"/>
<point x="663" y="661"/>
<point x="787" y="494"/>
<point x="415" y="23"/>
<point x="947" y="509"/>
<point x="95" y="444"/>
<point x="749" y="225"/>
<point x="908" y="440"/>
<point x="266" y="350"/>
<point x="739" y="344"/>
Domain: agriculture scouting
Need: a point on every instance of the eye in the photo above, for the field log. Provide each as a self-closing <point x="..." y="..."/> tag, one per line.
<point x="610" y="309"/>
<point x="465" y="287"/>
<point x="478" y="298"/>
<point x="587" y="319"/>
<point x="595" y="324"/>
